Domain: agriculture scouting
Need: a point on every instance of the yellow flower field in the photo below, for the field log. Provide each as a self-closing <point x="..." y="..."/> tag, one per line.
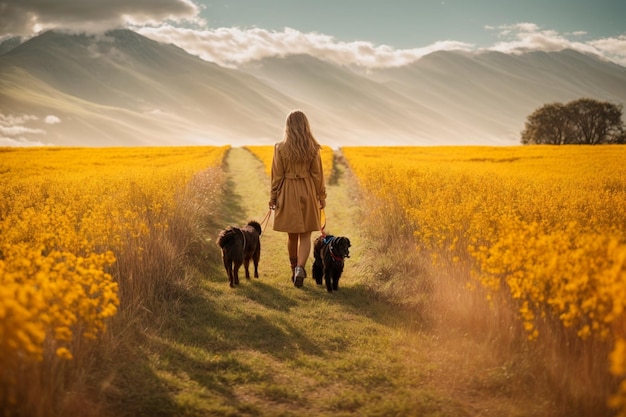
<point x="266" y="154"/>
<point x="545" y="224"/>
<point x="66" y="216"/>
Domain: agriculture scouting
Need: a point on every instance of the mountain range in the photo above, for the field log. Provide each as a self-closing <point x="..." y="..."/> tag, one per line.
<point x="123" y="89"/>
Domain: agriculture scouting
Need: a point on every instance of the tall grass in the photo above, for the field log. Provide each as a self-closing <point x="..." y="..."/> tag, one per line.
<point x="117" y="233"/>
<point x="149" y="268"/>
<point x="522" y="251"/>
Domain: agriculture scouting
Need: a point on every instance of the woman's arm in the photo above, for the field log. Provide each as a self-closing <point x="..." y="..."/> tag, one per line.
<point x="317" y="173"/>
<point x="276" y="177"/>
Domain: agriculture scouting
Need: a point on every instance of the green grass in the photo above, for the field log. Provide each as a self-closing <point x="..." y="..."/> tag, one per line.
<point x="266" y="348"/>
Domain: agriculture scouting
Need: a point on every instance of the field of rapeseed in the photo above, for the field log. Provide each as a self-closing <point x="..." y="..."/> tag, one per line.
<point x="546" y="226"/>
<point x="67" y="217"/>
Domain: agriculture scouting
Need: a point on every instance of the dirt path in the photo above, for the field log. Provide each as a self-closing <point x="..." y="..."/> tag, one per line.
<point x="250" y="196"/>
<point x="266" y="348"/>
<point x="310" y="352"/>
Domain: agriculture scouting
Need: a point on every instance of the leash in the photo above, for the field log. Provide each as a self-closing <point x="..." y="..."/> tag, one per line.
<point x="323" y="222"/>
<point x="265" y="220"/>
<point x="328" y="239"/>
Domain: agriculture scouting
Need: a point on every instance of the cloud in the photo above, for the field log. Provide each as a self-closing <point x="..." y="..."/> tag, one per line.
<point x="13" y="125"/>
<point x="20" y="141"/>
<point x="15" y="132"/>
<point x="51" y="120"/>
<point x="13" y="119"/>
<point x="234" y="46"/>
<point x="19" y="130"/>
<point x="614" y="48"/>
<point x="523" y="37"/>
<point x="179" y="22"/>
<point x="28" y="17"/>
<point x="13" y="129"/>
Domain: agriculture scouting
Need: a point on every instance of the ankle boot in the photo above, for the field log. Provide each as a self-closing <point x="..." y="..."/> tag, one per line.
<point x="299" y="275"/>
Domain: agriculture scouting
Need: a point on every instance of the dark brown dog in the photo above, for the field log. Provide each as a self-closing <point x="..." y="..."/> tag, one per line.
<point x="239" y="246"/>
<point x="329" y="253"/>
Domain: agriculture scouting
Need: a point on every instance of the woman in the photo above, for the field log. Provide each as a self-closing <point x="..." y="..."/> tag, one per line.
<point x="298" y="191"/>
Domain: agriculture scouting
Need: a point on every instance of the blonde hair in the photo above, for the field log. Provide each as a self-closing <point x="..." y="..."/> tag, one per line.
<point x="300" y="144"/>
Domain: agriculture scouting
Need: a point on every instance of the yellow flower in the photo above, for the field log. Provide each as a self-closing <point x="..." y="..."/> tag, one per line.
<point x="64" y="353"/>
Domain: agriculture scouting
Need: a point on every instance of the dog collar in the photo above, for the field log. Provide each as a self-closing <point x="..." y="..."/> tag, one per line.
<point x="332" y="254"/>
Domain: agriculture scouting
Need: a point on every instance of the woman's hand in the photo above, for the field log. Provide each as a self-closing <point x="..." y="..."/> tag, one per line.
<point x="272" y="205"/>
<point x="322" y="204"/>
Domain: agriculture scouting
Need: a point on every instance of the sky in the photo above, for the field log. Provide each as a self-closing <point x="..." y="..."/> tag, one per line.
<point x="365" y="33"/>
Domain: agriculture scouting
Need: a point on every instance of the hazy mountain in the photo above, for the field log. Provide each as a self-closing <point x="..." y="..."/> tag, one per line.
<point x="124" y="89"/>
<point x="496" y="92"/>
<point x="9" y="43"/>
<point x="359" y="110"/>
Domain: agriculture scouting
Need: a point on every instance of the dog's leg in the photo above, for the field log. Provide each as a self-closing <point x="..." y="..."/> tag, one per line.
<point x="328" y="274"/>
<point x="246" y="266"/>
<point x="229" y="270"/>
<point x="336" y="275"/>
<point x="236" y="272"/>
<point x="255" y="259"/>
<point x="317" y="271"/>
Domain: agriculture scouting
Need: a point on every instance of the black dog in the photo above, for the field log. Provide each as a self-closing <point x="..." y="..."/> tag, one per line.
<point x="329" y="253"/>
<point x="239" y="246"/>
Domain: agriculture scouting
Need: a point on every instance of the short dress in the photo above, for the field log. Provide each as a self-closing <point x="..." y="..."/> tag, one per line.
<point x="297" y="188"/>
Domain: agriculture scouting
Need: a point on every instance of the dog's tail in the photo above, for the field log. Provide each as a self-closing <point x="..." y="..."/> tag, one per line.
<point x="256" y="226"/>
<point x="227" y="236"/>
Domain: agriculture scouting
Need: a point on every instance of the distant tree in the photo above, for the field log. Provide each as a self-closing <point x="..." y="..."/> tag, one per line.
<point x="582" y="121"/>
<point x="548" y="125"/>
<point x="595" y="121"/>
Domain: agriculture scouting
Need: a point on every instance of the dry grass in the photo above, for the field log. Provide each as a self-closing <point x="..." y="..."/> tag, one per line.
<point x="480" y="351"/>
<point x="150" y="268"/>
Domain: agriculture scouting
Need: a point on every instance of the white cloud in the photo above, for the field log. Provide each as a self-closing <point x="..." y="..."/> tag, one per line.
<point x="13" y="130"/>
<point x="12" y="119"/>
<point x="20" y="141"/>
<point x="19" y="130"/>
<point x="614" y="48"/>
<point x="28" y="17"/>
<point x="162" y="20"/>
<point x="51" y="120"/>
<point x="523" y="37"/>
<point x="235" y="46"/>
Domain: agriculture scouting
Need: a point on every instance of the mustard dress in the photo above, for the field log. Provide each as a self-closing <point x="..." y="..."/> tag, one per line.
<point x="297" y="188"/>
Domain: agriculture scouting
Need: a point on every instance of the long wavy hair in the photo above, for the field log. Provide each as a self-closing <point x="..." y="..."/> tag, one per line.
<point x="300" y="144"/>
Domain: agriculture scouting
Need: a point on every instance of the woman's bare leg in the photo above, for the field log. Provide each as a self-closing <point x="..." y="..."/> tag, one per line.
<point x="292" y="245"/>
<point x="304" y="249"/>
<point x="292" y="249"/>
<point x="302" y="244"/>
